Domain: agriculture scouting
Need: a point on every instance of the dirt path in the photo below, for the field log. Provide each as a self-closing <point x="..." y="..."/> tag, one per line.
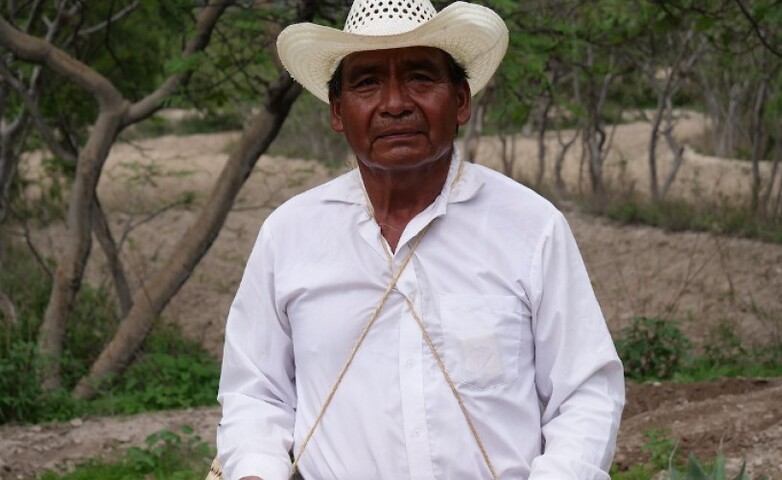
<point x="703" y="281"/>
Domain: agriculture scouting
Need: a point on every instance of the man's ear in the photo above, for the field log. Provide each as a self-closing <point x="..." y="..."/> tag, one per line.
<point x="335" y="106"/>
<point x="463" y="103"/>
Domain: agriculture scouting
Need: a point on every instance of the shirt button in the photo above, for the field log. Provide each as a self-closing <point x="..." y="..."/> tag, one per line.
<point x="410" y="364"/>
<point x="417" y="434"/>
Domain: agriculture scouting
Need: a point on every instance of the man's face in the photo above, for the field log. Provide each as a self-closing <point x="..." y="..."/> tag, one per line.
<point x="399" y="108"/>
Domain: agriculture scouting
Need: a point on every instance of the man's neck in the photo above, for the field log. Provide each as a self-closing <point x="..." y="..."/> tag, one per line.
<point x="397" y="196"/>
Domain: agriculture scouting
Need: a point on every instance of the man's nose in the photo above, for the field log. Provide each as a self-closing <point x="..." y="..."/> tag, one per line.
<point x="395" y="98"/>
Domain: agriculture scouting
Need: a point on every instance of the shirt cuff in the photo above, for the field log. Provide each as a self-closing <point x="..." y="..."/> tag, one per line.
<point x="266" y="467"/>
<point x="557" y="467"/>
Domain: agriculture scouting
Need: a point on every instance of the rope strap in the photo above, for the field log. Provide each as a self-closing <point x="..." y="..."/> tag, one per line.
<point x="356" y="346"/>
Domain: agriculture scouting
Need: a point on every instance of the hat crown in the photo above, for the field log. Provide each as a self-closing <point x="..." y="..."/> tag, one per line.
<point x="387" y="17"/>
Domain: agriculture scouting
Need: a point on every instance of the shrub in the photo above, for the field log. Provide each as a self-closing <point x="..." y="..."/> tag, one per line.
<point x="166" y="455"/>
<point x="694" y="470"/>
<point x="652" y="348"/>
<point x="169" y="372"/>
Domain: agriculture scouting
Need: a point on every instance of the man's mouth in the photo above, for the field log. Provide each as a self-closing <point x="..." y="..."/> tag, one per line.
<point x="397" y="133"/>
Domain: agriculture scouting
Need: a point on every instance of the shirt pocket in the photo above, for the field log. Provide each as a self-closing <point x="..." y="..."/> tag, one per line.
<point x="481" y="338"/>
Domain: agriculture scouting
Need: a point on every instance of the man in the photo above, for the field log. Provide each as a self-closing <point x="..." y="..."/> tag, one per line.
<point x="417" y="317"/>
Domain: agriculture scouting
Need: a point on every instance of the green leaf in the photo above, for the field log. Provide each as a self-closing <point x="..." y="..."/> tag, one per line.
<point x="694" y="470"/>
<point x="184" y="64"/>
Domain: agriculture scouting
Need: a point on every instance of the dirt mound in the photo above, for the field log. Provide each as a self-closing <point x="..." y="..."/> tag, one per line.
<point x="742" y="417"/>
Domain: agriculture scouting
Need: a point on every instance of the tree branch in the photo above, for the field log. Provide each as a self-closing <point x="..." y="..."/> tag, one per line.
<point x="85" y="32"/>
<point x="35" y="113"/>
<point x="205" y="24"/>
<point x="100" y="228"/>
<point x="757" y="29"/>
<point x="35" y="50"/>
<point x="7" y="307"/>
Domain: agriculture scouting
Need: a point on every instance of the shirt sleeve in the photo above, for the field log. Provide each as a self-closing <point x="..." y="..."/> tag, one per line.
<point x="257" y="389"/>
<point x="579" y="376"/>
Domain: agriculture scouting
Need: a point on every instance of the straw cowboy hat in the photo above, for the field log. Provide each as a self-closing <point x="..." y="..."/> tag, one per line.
<point x="475" y="36"/>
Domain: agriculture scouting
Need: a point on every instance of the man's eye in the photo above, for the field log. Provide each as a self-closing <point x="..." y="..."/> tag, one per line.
<point x="365" y="82"/>
<point x="420" y="77"/>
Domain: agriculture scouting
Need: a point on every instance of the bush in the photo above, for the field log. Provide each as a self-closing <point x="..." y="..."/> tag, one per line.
<point x="166" y="455"/>
<point x="652" y="348"/>
<point x="678" y="215"/>
<point x="169" y="372"/>
<point x="694" y="470"/>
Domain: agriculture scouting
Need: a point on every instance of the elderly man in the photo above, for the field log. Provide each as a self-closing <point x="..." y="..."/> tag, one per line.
<point x="418" y="317"/>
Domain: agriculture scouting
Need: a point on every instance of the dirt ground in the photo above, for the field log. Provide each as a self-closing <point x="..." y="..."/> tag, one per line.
<point x="702" y="280"/>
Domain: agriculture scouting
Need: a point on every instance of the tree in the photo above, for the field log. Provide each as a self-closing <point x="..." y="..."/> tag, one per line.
<point x="114" y="114"/>
<point x="666" y="59"/>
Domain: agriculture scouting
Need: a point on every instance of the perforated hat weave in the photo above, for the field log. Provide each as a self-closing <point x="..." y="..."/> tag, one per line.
<point x="475" y="36"/>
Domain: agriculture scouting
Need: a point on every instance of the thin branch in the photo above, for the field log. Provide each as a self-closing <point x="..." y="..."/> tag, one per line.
<point x="8" y="308"/>
<point x="757" y="29"/>
<point x="33" y="49"/>
<point x="100" y="228"/>
<point x="32" y="107"/>
<point x="34" y="13"/>
<point x="205" y="24"/>
<point x="85" y="32"/>
<point x="29" y="242"/>
<point x="130" y="226"/>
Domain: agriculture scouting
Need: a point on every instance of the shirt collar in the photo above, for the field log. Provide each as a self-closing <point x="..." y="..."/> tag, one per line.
<point x="348" y="188"/>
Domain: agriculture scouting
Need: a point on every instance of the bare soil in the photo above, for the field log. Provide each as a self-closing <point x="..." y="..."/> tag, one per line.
<point x="703" y="281"/>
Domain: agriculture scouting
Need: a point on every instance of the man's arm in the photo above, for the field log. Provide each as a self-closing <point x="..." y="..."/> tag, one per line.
<point x="257" y="389"/>
<point x="578" y="374"/>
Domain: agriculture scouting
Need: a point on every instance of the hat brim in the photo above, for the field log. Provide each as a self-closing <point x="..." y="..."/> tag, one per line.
<point x="473" y="35"/>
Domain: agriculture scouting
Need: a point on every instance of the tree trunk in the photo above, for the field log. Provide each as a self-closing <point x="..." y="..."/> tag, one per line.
<point x="654" y="136"/>
<point x="70" y="268"/>
<point x="758" y="135"/>
<point x="678" y="157"/>
<point x="542" y="128"/>
<point x="766" y="206"/>
<point x="564" y="146"/>
<point x="193" y="245"/>
<point x="472" y="135"/>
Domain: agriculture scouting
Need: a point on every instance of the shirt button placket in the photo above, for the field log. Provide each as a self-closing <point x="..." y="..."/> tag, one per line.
<point x="411" y="386"/>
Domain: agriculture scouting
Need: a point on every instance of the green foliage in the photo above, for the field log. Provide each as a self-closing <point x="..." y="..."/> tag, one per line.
<point x="166" y="455"/>
<point x="695" y="471"/>
<point x="652" y="348"/>
<point x="660" y="447"/>
<point x="169" y="371"/>
<point x="172" y="372"/>
<point x="679" y="215"/>
<point x="641" y="471"/>
<point x="757" y="361"/>
<point x="223" y="120"/>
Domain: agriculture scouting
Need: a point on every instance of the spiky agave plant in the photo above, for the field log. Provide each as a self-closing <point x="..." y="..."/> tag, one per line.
<point x="694" y="470"/>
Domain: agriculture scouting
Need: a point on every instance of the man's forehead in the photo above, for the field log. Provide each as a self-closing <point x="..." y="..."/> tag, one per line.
<point x="412" y="55"/>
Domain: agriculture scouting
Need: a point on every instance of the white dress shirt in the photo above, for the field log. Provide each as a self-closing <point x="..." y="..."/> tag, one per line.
<point x="503" y="292"/>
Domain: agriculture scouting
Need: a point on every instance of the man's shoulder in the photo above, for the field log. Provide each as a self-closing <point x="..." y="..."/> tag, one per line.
<point x="500" y="190"/>
<point x="311" y="202"/>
